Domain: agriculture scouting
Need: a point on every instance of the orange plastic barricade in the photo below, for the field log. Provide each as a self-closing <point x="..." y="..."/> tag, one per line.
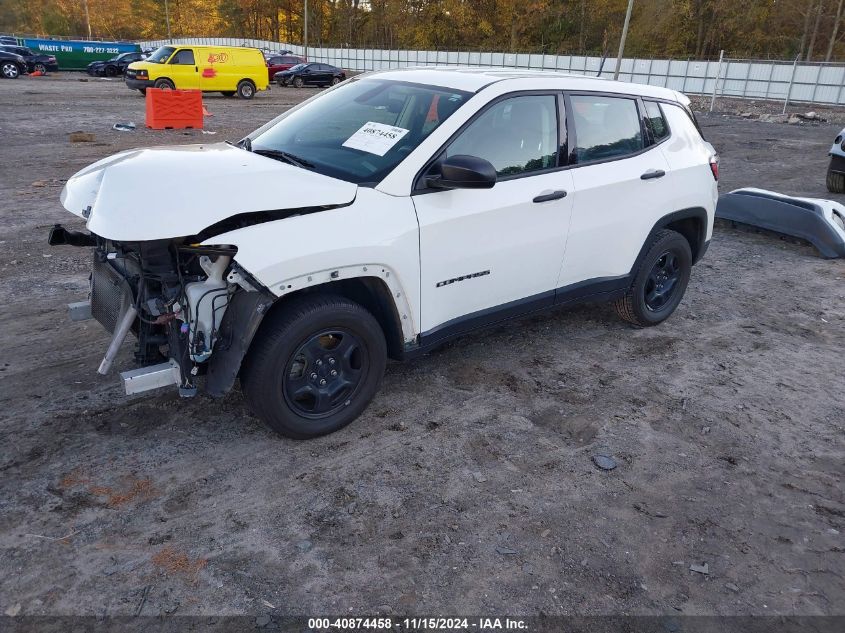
<point x="173" y="109"/>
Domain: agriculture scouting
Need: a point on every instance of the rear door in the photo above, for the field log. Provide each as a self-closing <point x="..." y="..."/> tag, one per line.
<point x="623" y="184"/>
<point x="489" y="253"/>
<point x="183" y="69"/>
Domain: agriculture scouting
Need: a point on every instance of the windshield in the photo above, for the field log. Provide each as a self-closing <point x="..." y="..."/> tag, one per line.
<point x="161" y="55"/>
<point x="298" y="66"/>
<point x="360" y="131"/>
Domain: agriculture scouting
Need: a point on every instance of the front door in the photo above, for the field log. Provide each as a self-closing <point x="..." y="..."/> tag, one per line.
<point x="491" y="253"/>
<point x="183" y="70"/>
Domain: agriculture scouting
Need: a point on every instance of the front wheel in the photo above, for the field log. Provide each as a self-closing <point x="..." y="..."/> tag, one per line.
<point x="111" y="71"/>
<point x="10" y="70"/>
<point x="164" y="84"/>
<point x="660" y="281"/>
<point x="246" y="89"/>
<point x="314" y="366"/>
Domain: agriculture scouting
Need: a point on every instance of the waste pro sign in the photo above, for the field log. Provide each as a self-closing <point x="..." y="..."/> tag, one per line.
<point x="77" y="54"/>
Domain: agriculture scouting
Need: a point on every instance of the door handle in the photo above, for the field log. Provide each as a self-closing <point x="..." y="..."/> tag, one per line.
<point x="554" y="195"/>
<point x="653" y="173"/>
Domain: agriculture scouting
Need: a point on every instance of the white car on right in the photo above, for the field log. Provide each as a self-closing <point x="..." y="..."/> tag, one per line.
<point x="836" y="170"/>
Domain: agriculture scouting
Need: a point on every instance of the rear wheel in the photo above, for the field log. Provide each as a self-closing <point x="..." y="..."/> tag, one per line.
<point x="336" y="80"/>
<point x="40" y="68"/>
<point x="10" y="70"/>
<point x="297" y="82"/>
<point x="660" y="281"/>
<point x="164" y="84"/>
<point x="246" y="89"/>
<point x="835" y="180"/>
<point x="314" y="366"/>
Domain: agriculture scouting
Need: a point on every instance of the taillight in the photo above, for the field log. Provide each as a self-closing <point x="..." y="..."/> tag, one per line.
<point x="714" y="167"/>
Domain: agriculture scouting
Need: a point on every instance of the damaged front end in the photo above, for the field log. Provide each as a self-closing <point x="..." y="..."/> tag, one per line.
<point x="175" y="298"/>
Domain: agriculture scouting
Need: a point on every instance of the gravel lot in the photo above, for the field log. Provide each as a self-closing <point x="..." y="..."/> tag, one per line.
<point x="468" y="485"/>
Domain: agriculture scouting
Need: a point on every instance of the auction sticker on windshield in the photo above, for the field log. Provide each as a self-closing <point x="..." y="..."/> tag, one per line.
<point x="375" y="138"/>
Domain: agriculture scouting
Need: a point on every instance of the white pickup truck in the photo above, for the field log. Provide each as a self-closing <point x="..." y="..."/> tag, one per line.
<point x="382" y="217"/>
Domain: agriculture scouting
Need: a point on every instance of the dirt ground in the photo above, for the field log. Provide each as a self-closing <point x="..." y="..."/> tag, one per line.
<point x="468" y="485"/>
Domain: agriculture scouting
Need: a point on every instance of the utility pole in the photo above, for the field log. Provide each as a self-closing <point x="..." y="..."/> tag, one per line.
<point x="87" y="19"/>
<point x="622" y="39"/>
<point x="305" y="34"/>
<point x="167" y="18"/>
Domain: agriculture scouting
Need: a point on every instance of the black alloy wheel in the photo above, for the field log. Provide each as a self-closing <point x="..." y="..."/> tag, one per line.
<point x="324" y="373"/>
<point x="659" y="281"/>
<point x="314" y="365"/>
<point x="662" y="281"/>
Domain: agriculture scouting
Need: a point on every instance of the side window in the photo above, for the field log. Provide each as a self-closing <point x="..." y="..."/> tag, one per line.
<point x="605" y="127"/>
<point x="289" y="60"/>
<point x="655" y="122"/>
<point x="185" y="57"/>
<point x="275" y="61"/>
<point x="517" y="135"/>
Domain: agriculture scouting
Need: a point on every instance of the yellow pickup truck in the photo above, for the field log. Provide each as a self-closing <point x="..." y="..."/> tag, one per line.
<point x="227" y="69"/>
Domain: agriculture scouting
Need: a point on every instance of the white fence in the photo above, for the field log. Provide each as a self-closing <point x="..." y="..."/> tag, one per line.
<point x="805" y="82"/>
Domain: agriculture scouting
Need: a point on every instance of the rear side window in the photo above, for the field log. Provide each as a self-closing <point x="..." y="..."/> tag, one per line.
<point x="655" y="122"/>
<point x="517" y="135"/>
<point x="605" y="127"/>
<point x="288" y="60"/>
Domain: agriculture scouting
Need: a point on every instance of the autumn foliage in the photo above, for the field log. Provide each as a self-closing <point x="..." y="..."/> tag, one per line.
<point x="659" y="28"/>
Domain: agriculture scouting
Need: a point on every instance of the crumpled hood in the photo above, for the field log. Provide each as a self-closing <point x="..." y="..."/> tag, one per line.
<point x="165" y="192"/>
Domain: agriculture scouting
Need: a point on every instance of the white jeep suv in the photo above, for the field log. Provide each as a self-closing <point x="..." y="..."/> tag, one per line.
<point x="382" y="217"/>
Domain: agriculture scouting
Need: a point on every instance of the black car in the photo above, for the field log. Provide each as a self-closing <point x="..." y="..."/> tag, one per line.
<point x="311" y="74"/>
<point x="114" y="66"/>
<point x="12" y="66"/>
<point x="34" y="61"/>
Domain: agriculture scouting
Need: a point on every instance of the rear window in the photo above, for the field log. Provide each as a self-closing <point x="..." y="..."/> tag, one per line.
<point x="655" y="121"/>
<point x="605" y="127"/>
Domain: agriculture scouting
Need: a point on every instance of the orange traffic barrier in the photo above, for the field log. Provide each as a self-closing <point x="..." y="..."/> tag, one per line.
<point x="173" y="109"/>
<point x="36" y="73"/>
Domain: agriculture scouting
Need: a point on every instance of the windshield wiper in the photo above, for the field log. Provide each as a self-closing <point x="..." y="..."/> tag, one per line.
<point x="291" y="159"/>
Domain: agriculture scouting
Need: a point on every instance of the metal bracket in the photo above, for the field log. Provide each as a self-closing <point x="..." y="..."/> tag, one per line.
<point x="152" y="377"/>
<point x="79" y="311"/>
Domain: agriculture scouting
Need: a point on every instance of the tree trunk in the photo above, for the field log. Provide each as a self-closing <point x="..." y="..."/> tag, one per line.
<point x="835" y="32"/>
<point x="806" y="32"/>
<point x="815" y="31"/>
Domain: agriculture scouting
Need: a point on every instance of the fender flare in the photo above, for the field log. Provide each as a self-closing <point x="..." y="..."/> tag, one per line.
<point x="247" y="310"/>
<point x="700" y="239"/>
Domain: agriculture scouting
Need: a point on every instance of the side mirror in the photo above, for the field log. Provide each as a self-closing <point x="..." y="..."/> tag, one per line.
<point x="464" y="172"/>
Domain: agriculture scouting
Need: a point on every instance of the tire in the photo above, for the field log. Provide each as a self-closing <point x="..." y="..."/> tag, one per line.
<point x="289" y="369"/>
<point x="10" y="70"/>
<point x="111" y="71"/>
<point x="228" y="93"/>
<point x="246" y="89"/>
<point x="40" y="68"/>
<point x="660" y="281"/>
<point x="282" y="83"/>
<point x="835" y="181"/>
<point x="164" y="84"/>
<point x="336" y="80"/>
<point x="297" y="82"/>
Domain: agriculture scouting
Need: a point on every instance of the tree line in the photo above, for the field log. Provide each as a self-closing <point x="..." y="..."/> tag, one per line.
<point x="781" y="29"/>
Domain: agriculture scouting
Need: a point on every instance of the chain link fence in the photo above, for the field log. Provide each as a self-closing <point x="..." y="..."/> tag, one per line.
<point x="788" y="81"/>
